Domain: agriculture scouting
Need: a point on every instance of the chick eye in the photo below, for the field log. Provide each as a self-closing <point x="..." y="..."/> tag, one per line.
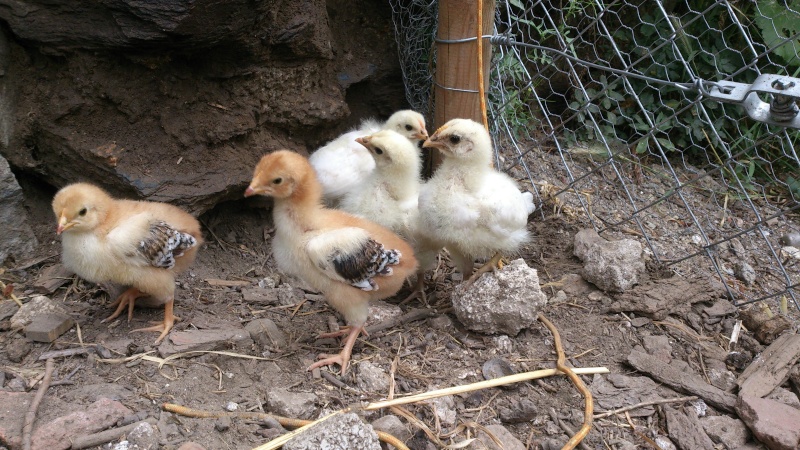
<point x="82" y="212"/>
<point x="409" y="127"/>
<point x="378" y="151"/>
<point x="277" y="180"/>
<point x="455" y="139"/>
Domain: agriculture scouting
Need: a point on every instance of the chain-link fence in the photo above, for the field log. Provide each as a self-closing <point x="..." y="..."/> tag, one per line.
<point x="638" y="117"/>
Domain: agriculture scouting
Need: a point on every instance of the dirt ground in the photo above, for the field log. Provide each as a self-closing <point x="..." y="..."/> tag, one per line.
<point x="434" y="353"/>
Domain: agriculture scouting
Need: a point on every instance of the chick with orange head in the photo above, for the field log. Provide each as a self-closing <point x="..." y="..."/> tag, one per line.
<point x="349" y="259"/>
<point x="141" y="245"/>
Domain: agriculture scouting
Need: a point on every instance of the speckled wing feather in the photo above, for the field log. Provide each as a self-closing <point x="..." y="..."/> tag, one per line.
<point x="351" y="256"/>
<point x="163" y="243"/>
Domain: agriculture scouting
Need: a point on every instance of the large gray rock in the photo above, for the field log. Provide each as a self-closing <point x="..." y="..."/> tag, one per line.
<point x="504" y="302"/>
<point x="342" y="432"/>
<point x="176" y="100"/>
<point x="610" y="265"/>
<point x="16" y="238"/>
<point x="772" y="422"/>
<point x="726" y="430"/>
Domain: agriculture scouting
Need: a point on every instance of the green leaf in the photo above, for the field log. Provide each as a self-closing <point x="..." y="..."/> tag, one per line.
<point x="641" y="147"/>
<point x="667" y="144"/>
<point x="777" y="23"/>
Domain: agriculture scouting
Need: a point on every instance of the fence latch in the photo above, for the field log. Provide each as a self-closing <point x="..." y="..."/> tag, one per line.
<point x="782" y="109"/>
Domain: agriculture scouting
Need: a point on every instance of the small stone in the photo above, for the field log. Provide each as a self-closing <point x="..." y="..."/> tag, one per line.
<point x="441" y="322"/>
<point x="659" y="347"/>
<point x="380" y="311"/>
<point x="445" y="409"/>
<point x="772" y="423"/>
<point x="206" y="340"/>
<point x="98" y="416"/>
<point x="38" y="306"/>
<point x="48" y="327"/>
<point x="574" y="285"/>
<point x="784" y="396"/>
<point x="266" y="334"/>
<point x="496" y="368"/>
<point x="518" y="410"/>
<point x="725" y="430"/>
<point x="501" y="433"/>
<point x="18" y="349"/>
<point x="393" y="425"/>
<point x="638" y="322"/>
<point x="291" y="404"/>
<point x="342" y="432"/>
<point x="231" y="406"/>
<point x="143" y="437"/>
<point x="191" y="446"/>
<point x="610" y="265"/>
<point x="222" y="424"/>
<point x="791" y="239"/>
<point x="744" y="272"/>
<point x="504" y="302"/>
<point x="723" y="379"/>
<point x="260" y="295"/>
<point x="372" y="378"/>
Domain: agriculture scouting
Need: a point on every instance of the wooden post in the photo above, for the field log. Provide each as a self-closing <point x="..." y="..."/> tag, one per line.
<point x="456" y="89"/>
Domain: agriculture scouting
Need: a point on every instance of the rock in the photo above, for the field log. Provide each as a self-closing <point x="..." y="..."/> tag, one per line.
<point x="501" y="433"/>
<point x="501" y="303"/>
<point x="18" y="349"/>
<point x="441" y="322"/>
<point x="48" y="327"/>
<point x="191" y="446"/>
<point x="664" y="443"/>
<point x="574" y="285"/>
<point x="341" y="432"/>
<point x="659" y="347"/>
<point x="143" y="437"/>
<point x="723" y="379"/>
<point x="791" y="239"/>
<point x="38" y="306"/>
<point x="12" y="416"/>
<point x="300" y="405"/>
<point x="614" y="391"/>
<point x="784" y="396"/>
<point x="686" y="431"/>
<point x="772" y="423"/>
<point x="222" y="424"/>
<point x="765" y="327"/>
<point x="266" y="334"/>
<point x="744" y="272"/>
<point x="445" y="409"/>
<point x="16" y="235"/>
<point x="372" y="378"/>
<point x="380" y="311"/>
<point x="610" y="265"/>
<point x="517" y="410"/>
<point x="53" y="277"/>
<point x="259" y="295"/>
<point x="393" y="425"/>
<point x="56" y="435"/>
<point x="497" y="367"/>
<point x="726" y="430"/>
<point x="205" y="340"/>
<point x="720" y="308"/>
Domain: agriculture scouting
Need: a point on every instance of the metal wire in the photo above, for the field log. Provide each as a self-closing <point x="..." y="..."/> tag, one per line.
<point x="610" y="103"/>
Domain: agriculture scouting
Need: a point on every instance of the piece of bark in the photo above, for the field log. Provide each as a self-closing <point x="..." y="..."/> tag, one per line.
<point x="681" y="381"/>
<point x="771" y="368"/>
<point x="686" y="430"/>
<point x="51" y="278"/>
<point x="674" y="295"/>
<point x="765" y="327"/>
<point x="48" y="327"/>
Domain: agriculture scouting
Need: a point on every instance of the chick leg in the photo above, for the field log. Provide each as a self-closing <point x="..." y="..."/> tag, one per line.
<point x="419" y="290"/>
<point x="166" y="325"/>
<point x="126" y="299"/>
<point x="343" y="358"/>
<point x="492" y="264"/>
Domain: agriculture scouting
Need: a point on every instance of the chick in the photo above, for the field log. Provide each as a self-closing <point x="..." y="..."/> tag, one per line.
<point x="141" y="245"/>
<point x="343" y="164"/>
<point x="468" y="207"/>
<point x="390" y="193"/>
<point x="349" y="259"/>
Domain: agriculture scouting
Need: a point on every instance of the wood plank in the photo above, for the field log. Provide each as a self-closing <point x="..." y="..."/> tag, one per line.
<point x="52" y="278"/>
<point x="681" y="381"/>
<point x="771" y="368"/>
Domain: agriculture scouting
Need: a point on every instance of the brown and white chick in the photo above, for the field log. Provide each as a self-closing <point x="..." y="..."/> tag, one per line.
<point x="468" y="207"/>
<point x="349" y="259"/>
<point x="390" y="193"/>
<point x="141" y="245"/>
<point x="343" y="164"/>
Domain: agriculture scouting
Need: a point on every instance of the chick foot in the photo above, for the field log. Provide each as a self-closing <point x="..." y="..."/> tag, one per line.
<point x="343" y="358"/>
<point x="165" y="326"/>
<point x="418" y="292"/>
<point x="126" y="299"/>
<point x="493" y="264"/>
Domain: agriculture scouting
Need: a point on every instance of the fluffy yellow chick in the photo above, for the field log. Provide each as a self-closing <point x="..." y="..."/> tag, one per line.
<point x="343" y="164"/>
<point x="138" y="244"/>
<point x="467" y="206"/>
<point x="349" y="259"/>
<point x="390" y="193"/>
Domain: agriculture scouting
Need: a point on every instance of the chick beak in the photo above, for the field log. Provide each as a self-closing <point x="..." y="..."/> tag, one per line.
<point x="421" y="135"/>
<point x="249" y="192"/>
<point x="63" y="225"/>
<point x="363" y="140"/>
<point x="432" y="142"/>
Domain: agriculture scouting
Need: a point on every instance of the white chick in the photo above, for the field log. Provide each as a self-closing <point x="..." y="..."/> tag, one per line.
<point x="349" y="259"/>
<point x="141" y="245"/>
<point x="390" y="193"/>
<point x="343" y="164"/>
<point x="468" y="207"/>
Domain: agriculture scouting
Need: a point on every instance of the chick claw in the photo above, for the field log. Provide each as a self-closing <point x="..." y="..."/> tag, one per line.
<point x="126" y="299"/>
<point x="343" y="358"/>
<point x="165" y="326"/>
<point x="493" y="264"/>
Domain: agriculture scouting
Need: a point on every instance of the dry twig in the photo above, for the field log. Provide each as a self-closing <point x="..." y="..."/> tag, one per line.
<point x="643" y="404"/>
<point x="93" y="440"/>
<point x="587" y="395"/>
<point x="30" y="417"/>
